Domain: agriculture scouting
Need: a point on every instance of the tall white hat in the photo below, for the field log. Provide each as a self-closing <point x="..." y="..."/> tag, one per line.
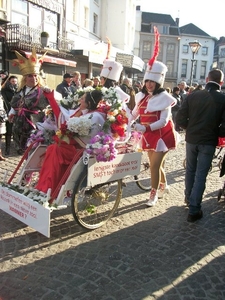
<point x="156" y="70"/>
<point x="111" y="69"/>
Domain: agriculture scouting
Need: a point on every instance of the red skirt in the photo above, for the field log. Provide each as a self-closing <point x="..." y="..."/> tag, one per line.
<point x="57" y="159"/>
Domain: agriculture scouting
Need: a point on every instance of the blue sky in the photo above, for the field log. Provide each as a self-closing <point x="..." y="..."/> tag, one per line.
<point x="207" y="16"/>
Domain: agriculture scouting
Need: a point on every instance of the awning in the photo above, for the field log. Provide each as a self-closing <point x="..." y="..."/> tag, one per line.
<point x="54" y="60"/>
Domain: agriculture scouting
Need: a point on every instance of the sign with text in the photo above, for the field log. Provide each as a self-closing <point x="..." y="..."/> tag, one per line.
<point x="125" y="59"/>
<point x="25" y="210"/>
<point x="123" y="165"/>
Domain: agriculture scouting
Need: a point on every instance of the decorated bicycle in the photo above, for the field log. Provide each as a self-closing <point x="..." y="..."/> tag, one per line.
<point x="77" y="157"/>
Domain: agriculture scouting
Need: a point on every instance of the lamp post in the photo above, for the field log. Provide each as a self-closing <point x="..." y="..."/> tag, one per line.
<point x="195" y="46"/>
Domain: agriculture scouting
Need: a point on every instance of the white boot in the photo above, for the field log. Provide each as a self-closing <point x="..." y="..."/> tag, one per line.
<point x="163" y="189"/>
<point x="153" y="198"/>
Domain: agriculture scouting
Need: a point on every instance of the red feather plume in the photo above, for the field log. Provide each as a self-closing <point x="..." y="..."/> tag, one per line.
<point x="109" y="48"/>
<point x="156" y="48"/>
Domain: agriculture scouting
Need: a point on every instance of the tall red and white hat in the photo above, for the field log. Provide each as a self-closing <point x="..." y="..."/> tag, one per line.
<point x="111" y="69"/>
<point x="156" y="70"/>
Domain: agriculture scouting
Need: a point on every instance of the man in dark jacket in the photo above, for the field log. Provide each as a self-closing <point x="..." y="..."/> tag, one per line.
<point x="9" y="88"/>
<point x="64" y="87"/>
<point x="202" y="115"/>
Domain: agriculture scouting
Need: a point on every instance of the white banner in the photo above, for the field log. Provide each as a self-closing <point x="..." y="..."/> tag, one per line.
<point x="123" y="165"/>
<point x="25" y="210"/>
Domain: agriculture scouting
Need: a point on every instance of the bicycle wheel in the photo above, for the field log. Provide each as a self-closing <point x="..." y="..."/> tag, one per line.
<point x="143" y="178"/>
<point x="93" y="207"/>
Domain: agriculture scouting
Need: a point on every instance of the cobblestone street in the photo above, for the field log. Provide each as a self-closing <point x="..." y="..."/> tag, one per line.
<point x="142" y="253"/>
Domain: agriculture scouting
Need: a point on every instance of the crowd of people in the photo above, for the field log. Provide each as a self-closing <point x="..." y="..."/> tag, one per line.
<point x="158" y="113"/>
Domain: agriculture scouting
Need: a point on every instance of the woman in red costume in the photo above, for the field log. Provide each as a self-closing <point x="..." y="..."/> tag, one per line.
<point x="60" y="154"/>
<point x="153" y="107"/>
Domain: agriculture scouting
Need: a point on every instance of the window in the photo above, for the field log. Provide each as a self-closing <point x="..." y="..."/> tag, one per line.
<point x="184" y="68"/>
<point x="170" y="67"/>
<point x="85" y="17"/>
<point x="165" y="29"/>
<point x="146" y="46"/>
<point x="50" y="24"/>
<point x="74" y="9"/>
<point x="204" y="50"/>
<point x="185" y="48"/>
<point x="37" y="21"/>
<point x="203" y="70"/>
<point x="19" y="12"/>
<point x="170" y="49"/>
<point x="95" y="23"/>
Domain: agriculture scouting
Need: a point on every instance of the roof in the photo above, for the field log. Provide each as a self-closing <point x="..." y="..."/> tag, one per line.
<point x="153" y="18"/>
<point x="157" y="18"/>
<point x="191" y="29"/>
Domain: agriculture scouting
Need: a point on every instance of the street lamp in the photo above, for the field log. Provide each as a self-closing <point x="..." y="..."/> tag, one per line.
<point x="195" y="46"/>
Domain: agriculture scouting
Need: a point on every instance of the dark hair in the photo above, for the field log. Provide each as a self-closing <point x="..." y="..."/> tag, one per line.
<point x="109" y="82"/>
<point x="157" y="89"/>
<point x="93" y="98"/>
<point x="176" y="89"/>
<point x="12" y="77"/>
<point x="216" y="75"/>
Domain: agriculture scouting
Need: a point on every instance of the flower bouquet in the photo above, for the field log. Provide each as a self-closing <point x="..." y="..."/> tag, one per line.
<point x="73" y="99"/>
<point x="102" y="146"/>
<point x="75" y="126"/>
<point x="116" y="119"/>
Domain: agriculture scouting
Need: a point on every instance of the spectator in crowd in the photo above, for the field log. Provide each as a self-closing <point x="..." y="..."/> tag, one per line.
<point x="183" y="93"/>
<point x="176" y="95"/>
<point x="8" y="90"/>
<point x="29" y="102"/>
<point x="202" y="115"/>
<point x="137" y="86"/>
<point x="64" y="87"/>
<point x="76" y="81"/>
<point x="126" y="86"/>
<point x="199" y="87"/>
<point x="4" y="76"/>
<point x="96" y="81"/>
<point x="88" y="82"/>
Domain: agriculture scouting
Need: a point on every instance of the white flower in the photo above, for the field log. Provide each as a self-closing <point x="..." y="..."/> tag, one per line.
<point x="111" y="118"/>
<point x="88" y="89"/>
<point x="97" y="145"/>
<point x="80" y="125"/>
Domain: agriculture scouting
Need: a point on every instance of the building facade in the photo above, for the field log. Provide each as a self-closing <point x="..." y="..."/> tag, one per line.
<point x="78" y="32"/>
<point x="175" y="51"/>
<point x="77" y="35"/>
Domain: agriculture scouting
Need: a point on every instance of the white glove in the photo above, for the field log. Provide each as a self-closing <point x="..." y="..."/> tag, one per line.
<point x="140" y="128"/>
<point x="47" y="89"/>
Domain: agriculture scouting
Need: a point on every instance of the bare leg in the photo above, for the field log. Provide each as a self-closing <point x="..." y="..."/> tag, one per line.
<point x="1" y="157"/>
<point x="157" y="160"/>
